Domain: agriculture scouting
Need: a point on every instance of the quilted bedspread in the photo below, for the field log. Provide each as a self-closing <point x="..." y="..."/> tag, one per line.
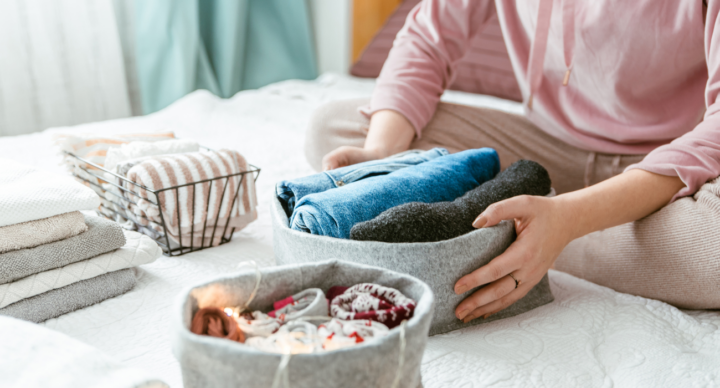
<point x="589" y="336"/>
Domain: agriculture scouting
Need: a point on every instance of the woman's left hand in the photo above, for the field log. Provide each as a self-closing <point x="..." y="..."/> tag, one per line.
<point x="543" y="228"/>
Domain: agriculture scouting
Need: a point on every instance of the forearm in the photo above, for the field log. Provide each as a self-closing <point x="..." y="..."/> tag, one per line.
<point x="389" y="133"/>
<point x="623" y="198"/>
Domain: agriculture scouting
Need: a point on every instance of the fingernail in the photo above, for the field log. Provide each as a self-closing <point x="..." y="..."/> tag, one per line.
<point x="462" y="314"/>
<point x="461" y="288"/>
<point x="479" y="222"/>
<point x="468" y="319"/>
<point x="486" y="316"/>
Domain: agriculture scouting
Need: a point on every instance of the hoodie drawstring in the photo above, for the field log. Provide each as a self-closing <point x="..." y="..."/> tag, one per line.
<point x="539" y="44"/>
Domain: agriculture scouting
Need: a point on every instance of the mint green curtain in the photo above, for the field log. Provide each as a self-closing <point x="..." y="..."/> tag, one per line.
<point x="223" y="46"/>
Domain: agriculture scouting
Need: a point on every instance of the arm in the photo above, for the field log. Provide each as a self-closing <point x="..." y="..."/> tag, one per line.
<point x="546" y="225"/>
<point x="419" y="68"/>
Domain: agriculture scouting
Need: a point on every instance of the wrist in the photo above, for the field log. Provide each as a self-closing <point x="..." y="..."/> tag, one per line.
<point x="572" y="214"/>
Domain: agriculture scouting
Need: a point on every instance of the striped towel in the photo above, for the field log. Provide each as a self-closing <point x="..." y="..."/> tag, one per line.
<point x="193" y="210"/>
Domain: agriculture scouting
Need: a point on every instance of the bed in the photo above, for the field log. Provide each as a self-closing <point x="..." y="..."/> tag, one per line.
<point x="589" y="336"/>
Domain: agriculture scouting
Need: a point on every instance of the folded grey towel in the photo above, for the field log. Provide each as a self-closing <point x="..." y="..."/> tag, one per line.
<point x="43" y="231"/>
<point x="84" y="293"/>
<point x="430" y="222"/>
<point x="101" y="237"/>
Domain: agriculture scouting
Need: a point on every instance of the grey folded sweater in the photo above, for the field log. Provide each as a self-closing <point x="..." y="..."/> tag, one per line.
<point x="430" y="222"/>
<point x="84" y="293"/>
<point x="101" y="237"/>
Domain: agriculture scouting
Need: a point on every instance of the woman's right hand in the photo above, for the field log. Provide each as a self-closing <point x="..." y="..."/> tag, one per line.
<point x="389" y="133"/>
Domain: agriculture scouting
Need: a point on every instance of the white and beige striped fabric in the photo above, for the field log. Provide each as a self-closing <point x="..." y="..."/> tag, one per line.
<point x="193" y="210"/>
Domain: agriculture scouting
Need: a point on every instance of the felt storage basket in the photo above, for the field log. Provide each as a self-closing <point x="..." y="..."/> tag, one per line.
<point x="439" y="264"/>
<point x="214" y="362"/>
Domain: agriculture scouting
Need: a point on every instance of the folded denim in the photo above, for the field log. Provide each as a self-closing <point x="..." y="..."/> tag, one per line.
<point x="334" y="212"/>
<point x="291" y="192"/>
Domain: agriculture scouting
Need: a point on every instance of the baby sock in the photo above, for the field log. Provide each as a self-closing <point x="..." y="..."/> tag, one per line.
<point x="429" y="222"/>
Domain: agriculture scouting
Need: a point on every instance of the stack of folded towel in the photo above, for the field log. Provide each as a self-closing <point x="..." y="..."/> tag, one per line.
<point x="54" y="259"/>
<point x="194" y="215"/>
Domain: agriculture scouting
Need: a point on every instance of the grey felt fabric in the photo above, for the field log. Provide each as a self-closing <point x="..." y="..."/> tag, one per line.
<point x="430" y="222"/>
<point x="439" y="264"/>
<point x="214" y="362"/>
<point x="84" y="293"/>
<point x="101" y="237"/>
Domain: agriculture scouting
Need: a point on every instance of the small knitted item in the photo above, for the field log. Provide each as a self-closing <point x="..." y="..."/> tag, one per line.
<point x="257" y="324"/>
<point x="310" y="302"/>
<point x="216" y="323"/>
<point x="430" y="222"/>
<point x="294" y="337"/>
<point x="338" y="334"/>
<point x="371" y="301"/>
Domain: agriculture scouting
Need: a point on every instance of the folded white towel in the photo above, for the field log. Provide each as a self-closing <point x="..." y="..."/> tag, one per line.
<point x="28" y="194"/>
<point x="138" y="250"/>
<point x="43" y="231"/>
<point x="139" y="149"/>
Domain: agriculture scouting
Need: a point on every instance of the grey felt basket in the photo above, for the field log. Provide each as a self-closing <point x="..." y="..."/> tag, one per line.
<point x="214" y="362"/>
<point x="439" y="264"/>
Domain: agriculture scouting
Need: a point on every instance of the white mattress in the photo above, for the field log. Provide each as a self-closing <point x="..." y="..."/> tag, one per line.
<point x="590" y="335"/>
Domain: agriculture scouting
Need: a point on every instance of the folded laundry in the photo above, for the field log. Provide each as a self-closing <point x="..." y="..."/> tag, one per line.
<point x="307" y="303"/>
<point x="257" y="324"/>
<point x="28" y="194"/>
<point x="139" y="149"/>
<point x="216" y="323"/>
<point x="138" y="250"/>
<point x="194" y="210"/>
<point x="75" y="296"/>
<point x="295" y="337"/>
<point x="291" y="192"/>
<point x="102" y="236"/>
<point x="334" y="212"/>
<point x="338" y="334"/>
<point x="94" y="148"/>
<point x="429" y="222"/>
<point x="367" y="301"/>
<point x="43" y="231"/>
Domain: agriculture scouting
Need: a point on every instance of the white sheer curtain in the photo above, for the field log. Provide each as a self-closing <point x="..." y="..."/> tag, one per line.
<point x="61" y="63"/>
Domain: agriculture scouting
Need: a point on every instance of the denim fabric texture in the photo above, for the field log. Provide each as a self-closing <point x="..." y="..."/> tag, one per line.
<point x="291" y="192"/>
<point x="334" y="212"/>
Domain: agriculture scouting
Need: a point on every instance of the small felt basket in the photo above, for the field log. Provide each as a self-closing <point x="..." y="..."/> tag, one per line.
<point x="380" y="362"/>
<point x="439" y="264"/>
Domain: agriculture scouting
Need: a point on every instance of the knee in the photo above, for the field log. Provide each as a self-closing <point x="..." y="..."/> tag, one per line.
<point x="332" y="125"/>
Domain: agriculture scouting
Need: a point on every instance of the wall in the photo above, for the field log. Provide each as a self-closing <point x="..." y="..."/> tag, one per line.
<point x="332" y="28"/>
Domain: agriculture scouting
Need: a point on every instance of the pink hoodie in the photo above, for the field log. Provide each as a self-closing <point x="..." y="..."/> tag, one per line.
<point x="635" y="72"/>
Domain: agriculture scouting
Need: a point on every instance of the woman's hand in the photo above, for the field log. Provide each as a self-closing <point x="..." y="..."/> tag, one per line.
<point x="389" y="133"/>
<point x="543" y="230"/>
<point x="545" y="226"/>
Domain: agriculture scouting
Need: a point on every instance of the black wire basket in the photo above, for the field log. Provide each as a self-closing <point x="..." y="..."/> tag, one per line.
<point x="117" y="208"/>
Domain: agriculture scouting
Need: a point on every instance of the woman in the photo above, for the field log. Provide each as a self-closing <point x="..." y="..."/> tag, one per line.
<point x="620" y="101"/>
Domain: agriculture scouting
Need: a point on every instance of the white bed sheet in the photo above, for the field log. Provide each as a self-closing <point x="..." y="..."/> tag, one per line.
<point x="590" y="335"/>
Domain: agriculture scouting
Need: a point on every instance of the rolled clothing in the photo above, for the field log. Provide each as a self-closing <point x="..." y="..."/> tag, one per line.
<point x="430" y="222"/>
<point x="334" y="212"/>
<point x="374" y="302"/>
<point x="43" y="231"/>
<point x="75" y="296"/>
<point x="102" y="236"/>
<point x="307" y="303"/>
<point x="204" y="211"/>
<point x="291" y="192"/>
<point x="214" y="322"/>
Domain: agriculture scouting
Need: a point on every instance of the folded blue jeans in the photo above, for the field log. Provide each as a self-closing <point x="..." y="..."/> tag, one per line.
<point x="291" y="192"/>
<point x="334" y="212"/>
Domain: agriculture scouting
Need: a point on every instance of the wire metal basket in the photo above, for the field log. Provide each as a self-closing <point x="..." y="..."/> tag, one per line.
<point x="112" y="209"/>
